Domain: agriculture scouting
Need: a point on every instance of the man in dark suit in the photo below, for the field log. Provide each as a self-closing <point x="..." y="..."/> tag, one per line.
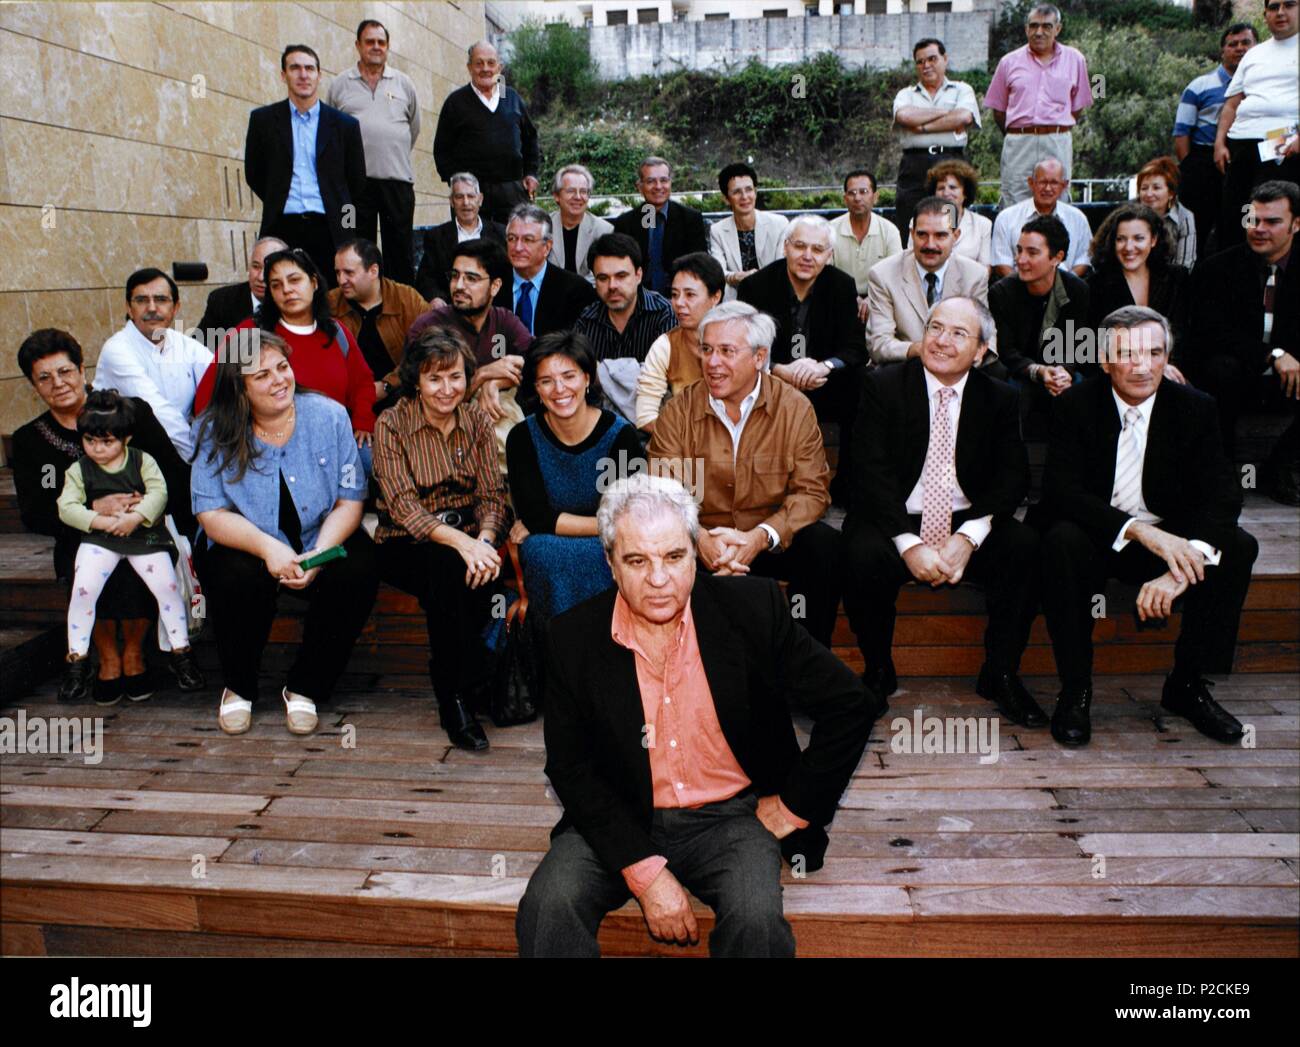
<point x="466" y="223"/>
<point x="545" y="297"/>
<point x="1137" y="487"/>
<point x="670" y="745"/>
<point x="306" y="163"/>
<point x="663" y="229"/>
<point x="227" y="307"/>
<point x="939" y="471"/>
<point x="820" y="345"/>
<point x="1246" y="351"/>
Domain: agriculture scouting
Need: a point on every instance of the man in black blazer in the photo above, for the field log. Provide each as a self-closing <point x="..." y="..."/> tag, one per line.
<point x="661" y="225"/>
<point x="553" y="297"/>
<point x="820" y="345"/>
<point x="227" y="307"/>
<point x="1238" y="356"/>
<point x="670" y="745"/>
<point x="466" y="223"/>
<point x="306" y="163"/>
<point x="934" y="498"/>
<point x="1137" y="487"/>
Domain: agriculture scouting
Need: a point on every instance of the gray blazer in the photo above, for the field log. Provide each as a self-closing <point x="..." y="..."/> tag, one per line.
<point x="591" y="227"/>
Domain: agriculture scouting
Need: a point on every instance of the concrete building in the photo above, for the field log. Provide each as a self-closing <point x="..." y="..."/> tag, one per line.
<point x="503" y="17"/>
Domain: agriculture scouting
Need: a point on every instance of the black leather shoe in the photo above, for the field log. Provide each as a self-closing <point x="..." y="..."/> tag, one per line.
<point x="1011" y="697"/>
<point x="883" y="683"/>
<point x="1285" y="487"/>
<point x="189" y="677"/>
<point x="77" y="682"/>
<point x="109" y="692"/>
<point x="1071" y="724"/>
<point x="1191" y="698"/>
<point x="461" y="727"/>
<point x="138" y="687"/>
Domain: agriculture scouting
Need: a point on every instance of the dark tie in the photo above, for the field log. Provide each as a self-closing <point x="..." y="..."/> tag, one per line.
<point x="657" y="275"/>
<point x="524" y="310"/>
<point x="931" y="288"/>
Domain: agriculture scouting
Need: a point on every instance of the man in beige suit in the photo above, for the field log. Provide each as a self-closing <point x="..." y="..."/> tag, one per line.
<point x="901" y="289"/>
<point x="575" y="226"/>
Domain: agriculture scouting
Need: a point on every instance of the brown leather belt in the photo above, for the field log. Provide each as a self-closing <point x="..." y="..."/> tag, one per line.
<point x="1039" y="130"/>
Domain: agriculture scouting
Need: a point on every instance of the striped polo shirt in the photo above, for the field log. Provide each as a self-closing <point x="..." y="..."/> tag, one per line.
<point x="1198" y="109"/>
<point x="652" y="317"/>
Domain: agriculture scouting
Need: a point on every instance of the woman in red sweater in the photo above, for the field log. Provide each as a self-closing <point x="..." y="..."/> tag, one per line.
<point x="296" y="307"/>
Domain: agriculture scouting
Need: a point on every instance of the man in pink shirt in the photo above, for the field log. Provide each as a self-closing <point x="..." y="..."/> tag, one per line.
<point x="670" y="745"/>
<point x="1037" y="95"/>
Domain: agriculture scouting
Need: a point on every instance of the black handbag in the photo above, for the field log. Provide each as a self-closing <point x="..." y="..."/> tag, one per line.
<point x="518" y="685"/>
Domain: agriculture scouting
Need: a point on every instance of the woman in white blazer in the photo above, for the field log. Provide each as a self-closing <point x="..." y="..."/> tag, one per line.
<point x="750" y="238"/>
<point x="958" y="182"/>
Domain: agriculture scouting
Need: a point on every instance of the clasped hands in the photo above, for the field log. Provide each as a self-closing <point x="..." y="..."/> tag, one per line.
<point x="117" y="514"/>
<point x="804" y="373"/>
<point x="727" y="551"/>
<point x="283" y="564"/>
<point x="1155" y="600"/>
<point x="943" y="566"/>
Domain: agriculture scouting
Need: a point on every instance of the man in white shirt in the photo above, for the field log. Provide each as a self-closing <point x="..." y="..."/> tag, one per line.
<point x="151" y="360"/>
<point x="860" y="238"/>
<point x="574" y="225"/>
<point x="1047" y="184"/>
<point x="1261" y="111"/>
<point x="1137" y="487"/>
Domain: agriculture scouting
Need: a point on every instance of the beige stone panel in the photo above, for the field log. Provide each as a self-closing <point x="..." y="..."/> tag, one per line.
<point x="221" y="15"/>
<point x="190" y="47"/>
<point x="53" y="23"/>
<point x="16" y="323"/>
<point x="88" y="315"/>
<point x="19" y="404"/>
<point x="49" y="165"/>
<point x="257" y="22"/>
<point x="128" y="33"/>
<point x="59" y="95"/>
<point x="298" y="25"/>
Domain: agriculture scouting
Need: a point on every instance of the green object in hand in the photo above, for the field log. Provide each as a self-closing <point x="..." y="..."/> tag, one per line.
<point x="334" y="552"/>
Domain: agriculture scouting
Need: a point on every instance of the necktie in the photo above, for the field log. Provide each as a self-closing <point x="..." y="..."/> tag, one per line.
<point x="938" y="475"/>
<point x="1270" y="296"/>
<point x="931" y="288"/>
<point x="657" y="253"/>
<point x="524" y="310"/>
<point x="1127" y="496"/>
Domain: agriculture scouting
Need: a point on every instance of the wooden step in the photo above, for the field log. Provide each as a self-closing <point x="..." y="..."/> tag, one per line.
<point x="29" y="655"/>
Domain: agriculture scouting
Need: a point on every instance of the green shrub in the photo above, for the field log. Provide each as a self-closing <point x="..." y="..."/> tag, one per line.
<point x="550" y="63"/>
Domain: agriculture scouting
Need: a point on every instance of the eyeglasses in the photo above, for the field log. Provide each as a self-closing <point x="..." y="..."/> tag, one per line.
<point x="937" y="330"/>
<point x="515" y="238"/>
<point x="858" y="192"/>
<point x="146" y="299"/>
<point x="472" y="279"/>
<point x="62" y="375"/>
<point x="800" y="246"/>
<point x="576" y="192"/>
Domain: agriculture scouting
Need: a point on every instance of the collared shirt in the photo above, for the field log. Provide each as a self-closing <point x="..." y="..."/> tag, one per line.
<point x="536" y="280"/>
<point x="738" y="428"/>
<point x="166" y="375"/>
<point x="1010" y="220"/>
<point x="319" y="463"/>
<point x="977" y="529"/>
<point x="691" y="763"/>
<point x="389" y="116"/>
<point x="489" y="101"/>
<point x="1180" y="231"/>
<point x="422" y="472"/>
<point x="1198" y="108"/>
<point x="922" y="273"/>
<point x="1144" y="515"/>
<point x="462" y="235"/>
<point x="652" y="316"/>
<point x="882" y="241"/>
<point x="1040" y="94"/>
<point x="656" y="278"/>
<point x="1269" y="77"/>
<point x="501" y="329"/>
<point x="304" y="188"/>
<point x="952" y="94"/>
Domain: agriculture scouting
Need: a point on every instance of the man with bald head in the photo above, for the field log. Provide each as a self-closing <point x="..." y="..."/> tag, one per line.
<point x="229" y="306"/>
<point x="484" y="128"/>
<point x="939" y="472"/>
<point x="1047" y="184"/>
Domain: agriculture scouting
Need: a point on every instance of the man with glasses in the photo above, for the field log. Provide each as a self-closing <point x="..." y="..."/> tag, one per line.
<point x="939" y="472"/>
<point x="932" y="117"/>
<point x="861" y="238"/>
<point x="1037" y="94"/>
<point x="820" y="345"/>
<point x="150" y="359"/>
<point x="578" y="227"/>
<point x="1046" y="184"/>
<point x="543" y="296"/>
<point x="663" y="229"/>
<point x="1257" y="139"/>
<point x="440" y="242"/>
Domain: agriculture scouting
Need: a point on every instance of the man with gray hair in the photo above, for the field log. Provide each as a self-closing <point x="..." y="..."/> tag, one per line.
<point x="670" y="745"/>
<point x="1137" y="487"/>
<point x="939" y="472"/>
<point x="574" y="226"/>
<point x="751" y="444"/>
<point x="227" y="307"/>
<point x="545" y="297"/>
<point x="820" y="346"/>
<point x="1037" y="94"/>
<point x="440" y="242"/>
<point x="663" y="229"/>
<point x="484" y="127"/>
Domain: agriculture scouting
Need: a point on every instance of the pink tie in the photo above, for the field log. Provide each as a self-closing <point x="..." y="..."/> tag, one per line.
<point x="937" y="476"/>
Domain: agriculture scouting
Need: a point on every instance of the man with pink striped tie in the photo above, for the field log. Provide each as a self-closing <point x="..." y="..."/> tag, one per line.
<point x="941" y="474"/>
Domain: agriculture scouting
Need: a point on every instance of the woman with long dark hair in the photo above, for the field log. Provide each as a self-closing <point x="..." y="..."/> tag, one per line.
<point x="277" y="477"/>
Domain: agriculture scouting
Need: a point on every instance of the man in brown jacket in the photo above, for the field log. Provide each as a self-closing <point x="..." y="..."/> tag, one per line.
<point x="750" y="448"/>
<point x="377" y="312"/>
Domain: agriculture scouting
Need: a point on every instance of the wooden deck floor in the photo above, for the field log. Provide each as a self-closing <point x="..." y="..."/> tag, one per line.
<point x="374" y="837"/>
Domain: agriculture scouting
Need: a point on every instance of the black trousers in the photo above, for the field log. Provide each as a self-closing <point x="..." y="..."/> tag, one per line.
<point x="912" y="169"/>
<point x="312" y="233"/>
<point x="1200" y="190"/>
<point x="809" y="565"/>
<point x="500" y="198"/>
<point x="389" y="205"/>
<point x="1245" y="171"/>
<point x="1006" y="566"/>
<point x="837" y="401"/>
<point x="242" y="601"/>
<point x="455" y="615"/>
<point x="1236" y="390"/>
<point x="1075" y="570"/>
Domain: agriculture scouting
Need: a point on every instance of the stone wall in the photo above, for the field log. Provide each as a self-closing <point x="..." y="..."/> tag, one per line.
<point x="122" y="136"/>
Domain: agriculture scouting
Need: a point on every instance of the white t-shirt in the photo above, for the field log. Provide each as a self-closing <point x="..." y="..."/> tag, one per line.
<point x="1269" y="76"/>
